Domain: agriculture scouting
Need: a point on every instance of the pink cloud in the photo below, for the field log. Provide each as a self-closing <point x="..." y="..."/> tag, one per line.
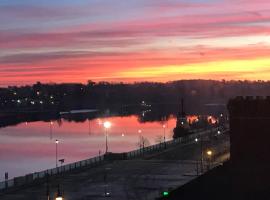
<point x="130" y="33"/>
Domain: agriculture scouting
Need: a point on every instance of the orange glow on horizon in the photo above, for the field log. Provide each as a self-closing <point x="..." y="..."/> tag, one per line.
<point x="254" y="69"/>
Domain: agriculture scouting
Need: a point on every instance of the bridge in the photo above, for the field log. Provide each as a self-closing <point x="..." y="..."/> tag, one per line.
<point x="141" y="174"/>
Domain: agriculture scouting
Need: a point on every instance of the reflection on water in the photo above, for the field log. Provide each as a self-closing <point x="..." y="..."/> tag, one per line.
<point x="30" y="146"/>
<point x="27" y="141"/>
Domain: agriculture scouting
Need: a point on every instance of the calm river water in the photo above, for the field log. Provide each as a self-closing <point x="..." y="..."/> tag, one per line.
<point x="30" y="146"/>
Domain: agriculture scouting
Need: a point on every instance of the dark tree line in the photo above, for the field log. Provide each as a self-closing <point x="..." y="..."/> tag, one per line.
<point x="102" y="95"/>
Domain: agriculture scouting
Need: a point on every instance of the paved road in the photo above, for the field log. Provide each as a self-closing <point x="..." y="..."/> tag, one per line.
<point x="141" y="179"/>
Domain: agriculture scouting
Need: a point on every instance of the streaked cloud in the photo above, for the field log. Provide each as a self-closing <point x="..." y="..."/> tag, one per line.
<point x="114" y="40"/>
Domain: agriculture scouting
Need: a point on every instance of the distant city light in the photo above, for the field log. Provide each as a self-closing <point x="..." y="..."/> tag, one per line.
<point x="196" y="140"/>
<point x="212" y="120"/>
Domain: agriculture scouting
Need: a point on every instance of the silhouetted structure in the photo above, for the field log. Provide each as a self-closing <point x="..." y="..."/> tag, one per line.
<point x="247" y="175"/>
<point x="250" y="143"/>
<point x="181" y="128"/>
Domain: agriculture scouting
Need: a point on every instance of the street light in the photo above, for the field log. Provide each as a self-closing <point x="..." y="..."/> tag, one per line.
<point x="140" y="132"/>
<point x="56" y="153"/>
<point x="106" y="192"/>
<point x="209" y="153"/>
<point x="89" y="127"/>
<point x="59" y="195"/>
<point x="107" y="125"/>
<point x="164" y="135"/>
<point x="59" y="198"/>
<point x="51" y="126"/>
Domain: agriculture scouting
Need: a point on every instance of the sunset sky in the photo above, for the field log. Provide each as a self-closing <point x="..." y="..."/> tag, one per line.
<point x="133" y="40"/>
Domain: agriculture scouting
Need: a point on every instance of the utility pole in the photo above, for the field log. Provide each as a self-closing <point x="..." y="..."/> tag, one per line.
<point x="201" y="139"/>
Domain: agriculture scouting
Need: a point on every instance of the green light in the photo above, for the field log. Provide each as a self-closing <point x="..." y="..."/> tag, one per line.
<point x="165" y="193"/>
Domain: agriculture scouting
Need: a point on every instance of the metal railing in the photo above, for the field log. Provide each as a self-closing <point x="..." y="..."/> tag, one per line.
<point x="29" y="178"/>
<point x="168" y="144"/>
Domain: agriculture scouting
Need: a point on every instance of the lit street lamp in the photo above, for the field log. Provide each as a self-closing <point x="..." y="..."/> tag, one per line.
<point x="107" y="125"/>
<point x="51" y="126"/>
<point x="140" y="135"/>
<point x="59" y="195"/>
<point x="209" y="154"/>
<point x="56" y="153"/>
<point x="164" y="135"/>
<point x="106" y="191"/>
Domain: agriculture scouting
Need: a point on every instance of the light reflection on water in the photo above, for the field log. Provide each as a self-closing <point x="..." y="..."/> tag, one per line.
<point x="30" y="147"/>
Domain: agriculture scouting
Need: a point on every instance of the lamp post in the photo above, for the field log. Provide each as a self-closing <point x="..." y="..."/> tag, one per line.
<point x="51" y="124"/>
<point x="106" y="125"/>
<point x="201" y="148"/>
<point x="89" y="127"/>
<point x="164" y="135"/>
<point x="56" y="152"/>
<point x="209" y="154"/>
<point x="140" y="136"/>
<point x="59" y="195"/>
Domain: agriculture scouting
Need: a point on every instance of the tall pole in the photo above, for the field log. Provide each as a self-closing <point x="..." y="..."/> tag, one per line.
<point x="56" y="152"/>
<point x="106" y="133"/>
<point x="201" y="138"/>
<point x="51" y="123"/>
<point x="140" y="139"/>
<point x="106" y="125"/>
<point x="89" y="127"/>
<point x="47" y="187"/>
<point x="164" y="136"/>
